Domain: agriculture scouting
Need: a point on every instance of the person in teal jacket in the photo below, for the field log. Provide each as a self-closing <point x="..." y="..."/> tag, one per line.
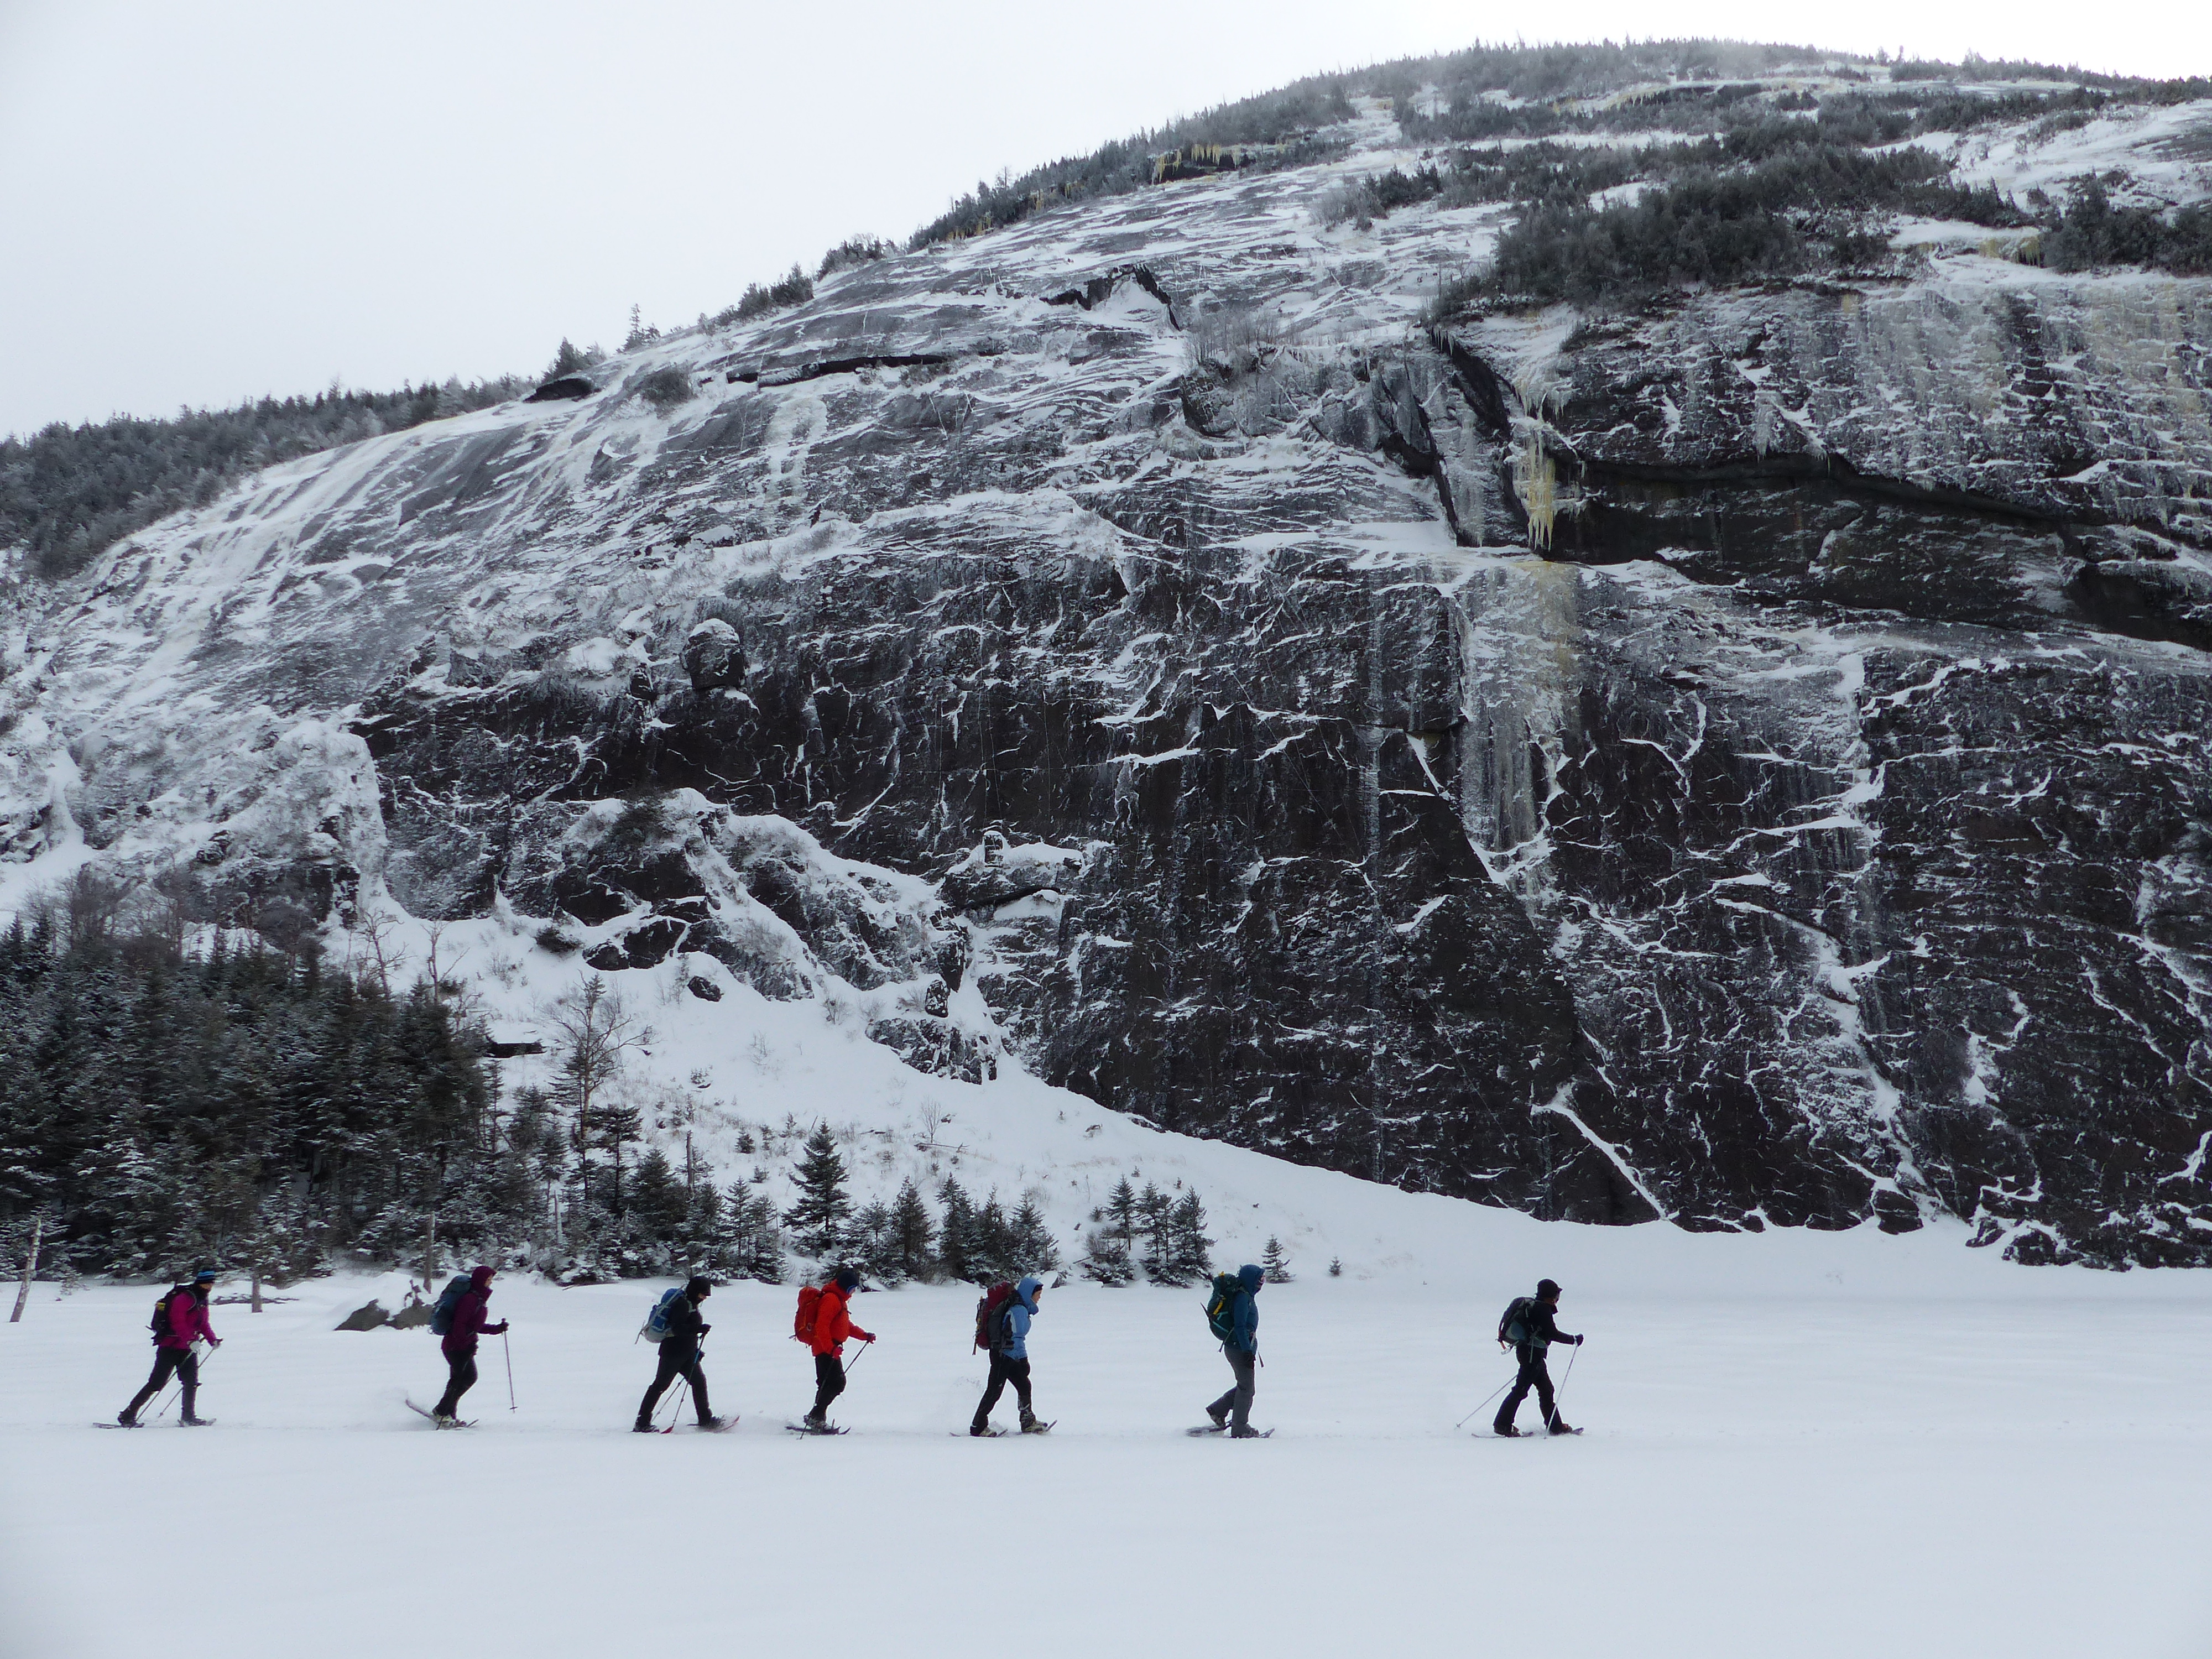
<point x="1234" y="1408"/>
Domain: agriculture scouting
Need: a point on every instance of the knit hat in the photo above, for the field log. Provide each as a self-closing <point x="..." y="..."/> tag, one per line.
<point x="204" y="1276"/>
<point x="848" y="1280"/>
<point x="1547" y="1289"/>
<point x="695" y="1287"/>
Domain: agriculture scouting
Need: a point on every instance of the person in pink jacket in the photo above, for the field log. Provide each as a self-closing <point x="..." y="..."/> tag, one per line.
<point x="459" y="1346"/>
<point x="180" y="1319"/>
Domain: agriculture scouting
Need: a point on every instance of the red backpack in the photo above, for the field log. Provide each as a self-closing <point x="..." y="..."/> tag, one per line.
<point x="809" y="1304"/>
<point x="987" y="1306"/>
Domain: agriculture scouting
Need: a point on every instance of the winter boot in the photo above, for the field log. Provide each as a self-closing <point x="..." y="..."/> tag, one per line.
<point x="710" y="1421"/>
<point x="194" y="1422"/>
<point x="1244" y="1434"/>
<point x="813" y="1419"/>
<point x="642" y="1426"/>
<point x="979" y="1429"/>
<point x="1220" y="1419"/>
<point x="1559" y="1426"/>
<point x="1505" y="1431"/>
<point x="127" y="1420"/>
<point x="1030" y="1424"/>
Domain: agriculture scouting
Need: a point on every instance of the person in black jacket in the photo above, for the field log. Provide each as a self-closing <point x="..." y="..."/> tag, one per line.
<point x="1537" y="1326"/>
<point x="679" y="1357"/>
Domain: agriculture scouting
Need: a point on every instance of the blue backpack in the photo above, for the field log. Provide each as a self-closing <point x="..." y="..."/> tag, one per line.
<point x="655" y="1329"/>
<point x="441" y="1316"/>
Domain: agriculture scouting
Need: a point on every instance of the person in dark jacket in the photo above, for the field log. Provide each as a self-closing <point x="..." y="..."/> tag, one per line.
<point x="1538" y="1329"/>
<point x="680" y="1355"/>
<point x="1009" y="1357"/>
<point x="184" y="1322"/>
<point x="1242" y="1348"/>
<point x="459" y="1346"/>
<point x="833" y="1324"/>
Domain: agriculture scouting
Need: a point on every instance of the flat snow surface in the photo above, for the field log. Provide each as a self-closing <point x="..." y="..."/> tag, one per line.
<point x="1797" y="1445"/>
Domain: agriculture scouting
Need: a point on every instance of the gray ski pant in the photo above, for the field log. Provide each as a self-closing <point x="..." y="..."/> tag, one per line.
<point x="1237" y="1404"/>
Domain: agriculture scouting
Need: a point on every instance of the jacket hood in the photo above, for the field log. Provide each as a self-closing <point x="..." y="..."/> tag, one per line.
<point x="1251" y="1277"/>
<point x="480" y="1280"/>
<point x="1027" y="1290"/>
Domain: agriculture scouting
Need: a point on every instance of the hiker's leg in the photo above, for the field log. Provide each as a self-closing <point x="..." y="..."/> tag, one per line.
<point x="1521" y="1382"/>
<point x="1018" y="1371"/>
<point x="667" y="1372"/>
<point x="188" y="1372"/>
<point x="829" y="1381"/>
<point x="1240" y="1411"/>
<point x="164" y="1362"/>
<point x="992" y="1390"/>
<point x="695" y="1375"/>
<point x="1544" y="1406"/>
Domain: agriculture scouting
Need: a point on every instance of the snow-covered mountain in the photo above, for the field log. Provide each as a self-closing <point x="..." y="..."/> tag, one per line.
<point x="1740" y="760"/>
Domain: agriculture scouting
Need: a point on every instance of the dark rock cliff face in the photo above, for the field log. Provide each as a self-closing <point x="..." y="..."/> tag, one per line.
<point x="1746" y="765"/>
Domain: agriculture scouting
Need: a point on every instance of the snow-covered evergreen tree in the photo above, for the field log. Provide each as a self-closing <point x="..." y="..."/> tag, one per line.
<point x="818" y="1218"/>
<point x="1274" y="1263"/>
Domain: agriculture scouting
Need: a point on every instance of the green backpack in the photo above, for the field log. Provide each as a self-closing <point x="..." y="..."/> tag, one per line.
<point x="1221" y="1305"/>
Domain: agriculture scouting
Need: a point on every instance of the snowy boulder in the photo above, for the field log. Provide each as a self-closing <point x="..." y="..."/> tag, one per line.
<point x="713" y="656"/>
<point x="369" y="1317"/>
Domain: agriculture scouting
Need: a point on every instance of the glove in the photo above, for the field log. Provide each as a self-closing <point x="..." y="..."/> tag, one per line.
<point x="703" y="1329"/>
<point x="1579" y="1342"/>
<point x="498" y="1330"/>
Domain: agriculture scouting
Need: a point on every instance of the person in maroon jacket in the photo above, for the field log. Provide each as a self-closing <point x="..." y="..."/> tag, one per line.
<point x="179" y="1320"/>
<point x="459" y="1346"/>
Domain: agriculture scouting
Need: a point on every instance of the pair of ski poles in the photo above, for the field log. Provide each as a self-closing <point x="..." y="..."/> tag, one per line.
<point x="175" y="1389"/>
<point x="1558" y="1394"/>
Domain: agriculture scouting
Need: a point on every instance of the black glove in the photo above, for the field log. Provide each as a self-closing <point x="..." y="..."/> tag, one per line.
<point x="703" y="1329"/>
<point x="1578" y="1341"/>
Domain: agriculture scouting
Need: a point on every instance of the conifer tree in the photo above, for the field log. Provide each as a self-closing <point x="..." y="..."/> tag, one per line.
<point x="817" y="1219"/>
<point x="1273" y="1263"/>
<point x="911" y="1231"/>
<point x="1122" y="1213"/>
<point x="956" y="1247"/>
<point x="1033" y="1248"/>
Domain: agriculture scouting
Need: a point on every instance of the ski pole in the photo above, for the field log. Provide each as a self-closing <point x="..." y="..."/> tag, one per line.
<point x="1488" y="1398"/>
<point x="859" y="1357"/>
<point x="509" y="1352"/>
<point x="682" y="1392"/>
<point x="1560" y="1393"/>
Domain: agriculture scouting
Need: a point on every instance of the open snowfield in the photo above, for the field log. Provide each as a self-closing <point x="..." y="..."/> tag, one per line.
<point x="1798" y="1444"/>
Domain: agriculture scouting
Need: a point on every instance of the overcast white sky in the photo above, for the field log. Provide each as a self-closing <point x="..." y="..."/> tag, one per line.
<point x="202" y="202"/>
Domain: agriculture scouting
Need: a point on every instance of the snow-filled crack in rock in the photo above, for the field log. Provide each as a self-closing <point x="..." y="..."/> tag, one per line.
<point x="1746" y="763"/>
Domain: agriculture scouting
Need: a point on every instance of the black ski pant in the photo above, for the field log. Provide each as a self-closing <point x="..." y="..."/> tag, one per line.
<point x="1003" y="1372"/>
<point x="181" y="1362"/>
<point x="828" y="1382"/>
<point x="462" y="1378"/>
<point x="676" y="1360"/>
<point x="1237" y="1404"/>
<point x="1536" y="1374"/>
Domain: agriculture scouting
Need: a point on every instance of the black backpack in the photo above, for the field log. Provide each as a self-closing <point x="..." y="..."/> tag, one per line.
<point x="159" y="1323"/>
<point x="1516" y="1325"/>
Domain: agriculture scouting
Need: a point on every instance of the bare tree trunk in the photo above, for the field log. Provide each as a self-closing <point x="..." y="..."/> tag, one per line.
<point x="30" y="1267"/>
<point x="430" y="1254"/>
<point x="256" y="1281"/>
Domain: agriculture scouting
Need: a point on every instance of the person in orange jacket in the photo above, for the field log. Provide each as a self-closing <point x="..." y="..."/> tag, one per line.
<point x="833" y="1323"/>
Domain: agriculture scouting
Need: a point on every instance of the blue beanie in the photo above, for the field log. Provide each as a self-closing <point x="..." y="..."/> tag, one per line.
<point x="847" y="1279"/>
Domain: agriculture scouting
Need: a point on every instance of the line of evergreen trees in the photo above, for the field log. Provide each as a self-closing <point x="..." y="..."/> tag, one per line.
<point x="67" y="493"/>
<point x="898" y="1241"/>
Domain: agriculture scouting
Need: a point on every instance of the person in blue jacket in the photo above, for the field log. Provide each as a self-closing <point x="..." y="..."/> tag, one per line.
<point x="1009" y="1357"/>
<point x="1243" y="1347"/>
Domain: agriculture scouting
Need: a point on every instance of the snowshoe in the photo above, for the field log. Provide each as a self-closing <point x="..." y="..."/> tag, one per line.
<point x="196" y="1422"/>
<point x="716" y="1425"/>
<point x="1249" y="1434"/>
<point x="1210" y="1428"/>
<point x="1034" y="1427"/>
<point x="1509" y="1432"/>
<point x="643" y="1427"/>
<point x="815" y="1428"/>
<point x="986" y="1433"/>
